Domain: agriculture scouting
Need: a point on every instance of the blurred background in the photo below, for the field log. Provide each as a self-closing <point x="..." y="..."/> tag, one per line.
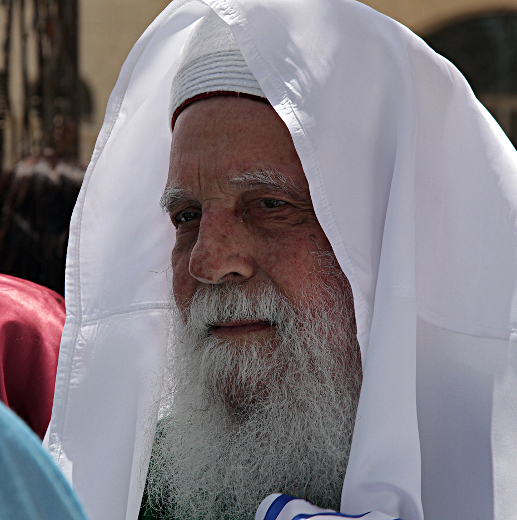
<point x="59" y="60"/>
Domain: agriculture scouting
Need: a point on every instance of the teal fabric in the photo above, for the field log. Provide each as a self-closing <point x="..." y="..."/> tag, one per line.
<point x="31" y="485"/>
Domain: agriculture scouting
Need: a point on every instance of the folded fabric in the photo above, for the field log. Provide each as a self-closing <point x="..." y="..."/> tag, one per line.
<point x="31" y="322"/>
<point x="285" y="507"/>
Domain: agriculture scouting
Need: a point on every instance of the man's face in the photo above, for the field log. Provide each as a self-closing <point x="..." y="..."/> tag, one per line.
<point x="240" y="201"/>
<point x="264" y="371"/>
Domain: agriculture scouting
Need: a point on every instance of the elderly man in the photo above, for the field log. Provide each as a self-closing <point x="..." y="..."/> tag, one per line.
<point x="263" y="340"/>
<point x="319" y="151"/>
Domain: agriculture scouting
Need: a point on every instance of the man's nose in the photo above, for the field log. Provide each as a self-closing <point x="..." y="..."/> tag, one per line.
<point x="223" y="249"/>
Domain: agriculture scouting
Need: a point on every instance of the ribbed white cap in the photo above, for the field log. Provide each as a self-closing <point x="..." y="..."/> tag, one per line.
<point x="212" y="64"/>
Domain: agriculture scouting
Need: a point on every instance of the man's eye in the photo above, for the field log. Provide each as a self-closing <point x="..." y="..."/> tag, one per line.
<point x="186" y="216"/>
<point x="272" y="203"/>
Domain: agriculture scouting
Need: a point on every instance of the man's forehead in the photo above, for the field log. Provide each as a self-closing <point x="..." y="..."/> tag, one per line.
<point x="232" y="144"/>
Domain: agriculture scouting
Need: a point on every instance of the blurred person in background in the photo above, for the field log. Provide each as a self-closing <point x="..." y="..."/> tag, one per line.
<point x="36" y="199"/>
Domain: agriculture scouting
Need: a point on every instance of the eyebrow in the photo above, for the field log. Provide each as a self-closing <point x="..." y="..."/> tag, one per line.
<point x="264" y="178"/>
<point x="173" y="196"/>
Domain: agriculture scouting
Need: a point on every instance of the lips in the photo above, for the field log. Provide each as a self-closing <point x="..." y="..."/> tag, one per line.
<point x="237" y="328"/>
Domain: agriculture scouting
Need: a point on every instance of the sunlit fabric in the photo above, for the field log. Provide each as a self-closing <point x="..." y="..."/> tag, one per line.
<point x="31" y="322"/>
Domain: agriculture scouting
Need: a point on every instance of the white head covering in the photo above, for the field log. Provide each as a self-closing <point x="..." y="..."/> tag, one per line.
<point x="415" y="186"/>
<point x="211" y="64"/>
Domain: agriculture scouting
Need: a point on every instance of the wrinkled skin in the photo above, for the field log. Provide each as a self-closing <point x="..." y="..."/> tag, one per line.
<point x="248" y="230"/>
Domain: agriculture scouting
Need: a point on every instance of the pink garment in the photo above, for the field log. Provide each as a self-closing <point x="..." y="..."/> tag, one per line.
<point x="31" y="322"/>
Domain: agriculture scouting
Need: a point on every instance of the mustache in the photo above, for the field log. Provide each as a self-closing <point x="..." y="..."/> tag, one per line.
<point x="215" y="304"/>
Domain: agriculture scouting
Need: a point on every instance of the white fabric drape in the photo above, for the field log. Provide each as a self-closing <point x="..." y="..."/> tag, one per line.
<point x="415" y="186"/>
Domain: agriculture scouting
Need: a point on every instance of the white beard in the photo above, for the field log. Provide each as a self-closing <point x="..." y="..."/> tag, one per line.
<point x="244" y="420"/>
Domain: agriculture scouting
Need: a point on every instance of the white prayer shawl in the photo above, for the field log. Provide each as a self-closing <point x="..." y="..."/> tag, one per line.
<point x="415" y="186"/>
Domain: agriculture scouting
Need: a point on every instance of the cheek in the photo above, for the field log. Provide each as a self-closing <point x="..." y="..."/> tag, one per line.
<point x="183" y="285"/>
<point x="290" y="262"/>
